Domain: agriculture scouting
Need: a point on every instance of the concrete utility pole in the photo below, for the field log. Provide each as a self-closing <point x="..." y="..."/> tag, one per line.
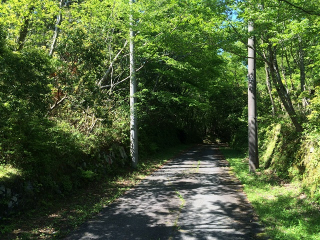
<point x="252" y="105"/>
<point x="133" y="89"/>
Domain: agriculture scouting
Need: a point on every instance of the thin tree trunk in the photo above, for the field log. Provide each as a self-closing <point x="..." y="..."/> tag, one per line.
<point x="133" y="89"/>
<point x="284" y="73"/>
<point x="285" y="98"/>
<point x="24" y="31"/>
<point x="289" y="67"/>
<point x="270" y="89"/>
<point x="57" y="29"/>
<point x="302" y="73"/>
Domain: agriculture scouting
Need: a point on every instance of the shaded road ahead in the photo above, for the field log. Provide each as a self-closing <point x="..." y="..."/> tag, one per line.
<point x="191" y="197"/>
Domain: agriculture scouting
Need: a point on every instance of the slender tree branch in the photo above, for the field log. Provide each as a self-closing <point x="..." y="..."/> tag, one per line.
<point x="300" y="8"/>
<point x="126" y="78"/>
<point x="111" y="65"/>
<point x="57" y="103"/>
<point x="243" y="42"/>
<point x="138" y="69"/>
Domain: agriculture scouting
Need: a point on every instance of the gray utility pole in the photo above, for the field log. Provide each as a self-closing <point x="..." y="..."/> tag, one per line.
<point x="133" y="89"/>
<point x="252" y="105"/>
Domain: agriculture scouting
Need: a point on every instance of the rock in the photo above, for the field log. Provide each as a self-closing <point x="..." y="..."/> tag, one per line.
<point x="29" y="187"/>
<point x="2" y="189"/>
<point x="8" y="192"/>
<point x="15" y="198"/>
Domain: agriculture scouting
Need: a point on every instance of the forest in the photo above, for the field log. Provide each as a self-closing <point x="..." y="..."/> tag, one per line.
<point x="65" y="85"/>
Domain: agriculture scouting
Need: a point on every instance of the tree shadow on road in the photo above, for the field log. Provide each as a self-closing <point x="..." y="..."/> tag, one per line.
<point x="191" y="197"/>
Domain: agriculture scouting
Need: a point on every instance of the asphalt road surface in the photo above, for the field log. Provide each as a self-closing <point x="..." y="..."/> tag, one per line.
<point x="192" y="197"/>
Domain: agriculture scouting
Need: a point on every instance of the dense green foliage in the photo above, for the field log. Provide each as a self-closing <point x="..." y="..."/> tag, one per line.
<point x="286" y="34"/>
<point x="65" y="116"/>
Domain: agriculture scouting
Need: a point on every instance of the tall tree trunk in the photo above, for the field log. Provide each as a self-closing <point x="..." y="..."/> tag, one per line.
<point x="24" y="31"/>
<point x="290" y="70"/>
<point x="270" y="89"/>
<point x="284" y="72"/>
<point x="57" y="29"/>
<point x="252" y="105"/>
<point x="281" y="90"/>
<point x="302" y="72"/>
<point x="133" y="89"/>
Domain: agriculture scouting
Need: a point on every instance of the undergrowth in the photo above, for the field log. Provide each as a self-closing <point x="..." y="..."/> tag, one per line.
<point x="282" y="205"/>
<point x="291" y="155"/>
<point x="55" y="216"/>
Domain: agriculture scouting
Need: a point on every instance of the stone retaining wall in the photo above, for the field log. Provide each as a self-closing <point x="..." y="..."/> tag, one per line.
<point x="14" y="195"/>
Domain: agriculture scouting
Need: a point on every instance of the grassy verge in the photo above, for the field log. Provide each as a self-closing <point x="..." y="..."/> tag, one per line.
<point x="282" y="206"/>
<point x="56" y="216"/>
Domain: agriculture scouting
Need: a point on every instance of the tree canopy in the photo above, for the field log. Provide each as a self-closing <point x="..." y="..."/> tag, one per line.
<point x="64" y="82"/>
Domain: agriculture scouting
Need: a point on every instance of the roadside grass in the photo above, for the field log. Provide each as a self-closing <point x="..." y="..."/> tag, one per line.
<point x="56" y="216"/>
<point x="282" y="206"/>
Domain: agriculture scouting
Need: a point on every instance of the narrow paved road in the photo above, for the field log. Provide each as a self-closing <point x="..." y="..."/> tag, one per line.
<point x="191" y="197"/>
